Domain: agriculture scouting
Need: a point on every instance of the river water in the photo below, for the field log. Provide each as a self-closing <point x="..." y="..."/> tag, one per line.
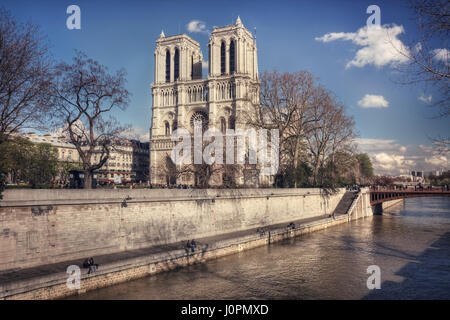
<point x="410" y="243"/>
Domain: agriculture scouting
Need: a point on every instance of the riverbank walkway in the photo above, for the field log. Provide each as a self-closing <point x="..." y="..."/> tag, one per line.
<point x="23" y="280"/>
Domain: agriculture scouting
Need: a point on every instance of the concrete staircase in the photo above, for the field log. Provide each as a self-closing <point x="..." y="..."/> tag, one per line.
<point x="345" y="203"/>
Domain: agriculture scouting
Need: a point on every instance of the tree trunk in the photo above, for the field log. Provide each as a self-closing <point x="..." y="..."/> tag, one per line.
<point x="88" y="179"/>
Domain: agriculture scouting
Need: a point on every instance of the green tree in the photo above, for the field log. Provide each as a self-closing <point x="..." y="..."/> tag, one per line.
<point x="365" y="165"/>
<point x="15" y="154"/>
<point x="64" y="168"/>
<point x="27" y="162"/>
<point x="3" y="174"/>
<point x="43" y="164"/>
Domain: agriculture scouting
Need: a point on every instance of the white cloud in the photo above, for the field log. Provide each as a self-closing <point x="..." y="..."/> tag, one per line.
<point x="137" y="133"/>
<point x="392" y="158"/>
<point x="437" y="161"/>
<point x="380" y="45"/>
<point x="441" y="54"/>
<point x="205" y="65"/>
<point x="376" y="145"/>
<point x="391" y="162"/>
<point x="197" y="26"/>
<point x="425" y="99"/>
<point x="373" y="101"/>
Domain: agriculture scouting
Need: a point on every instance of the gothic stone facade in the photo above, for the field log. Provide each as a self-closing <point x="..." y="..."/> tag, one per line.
<point x="181" y="95"/>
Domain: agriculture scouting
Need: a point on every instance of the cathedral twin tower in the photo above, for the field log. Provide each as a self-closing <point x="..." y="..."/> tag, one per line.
<point x="181" y="95"/>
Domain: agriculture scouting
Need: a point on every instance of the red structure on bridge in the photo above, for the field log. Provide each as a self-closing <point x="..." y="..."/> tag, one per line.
<point x="382" y="195"/>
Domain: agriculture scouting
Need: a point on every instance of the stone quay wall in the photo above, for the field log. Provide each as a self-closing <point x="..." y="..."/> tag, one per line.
<point x="391" y="203"/>
<point x="39" y="227"/>
<point x="306" y="203"/>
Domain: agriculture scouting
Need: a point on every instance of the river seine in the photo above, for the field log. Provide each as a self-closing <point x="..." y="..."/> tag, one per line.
<point x="410" y="243"/>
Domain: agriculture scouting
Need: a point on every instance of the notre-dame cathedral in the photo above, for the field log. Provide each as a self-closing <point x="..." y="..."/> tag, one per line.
<point x="181" y="95"/>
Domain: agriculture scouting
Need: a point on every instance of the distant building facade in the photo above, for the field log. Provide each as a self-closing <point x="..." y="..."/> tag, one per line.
<point x="418" y="176"/>
<point x="66" y="150"/>
<point x="128" y="161"/>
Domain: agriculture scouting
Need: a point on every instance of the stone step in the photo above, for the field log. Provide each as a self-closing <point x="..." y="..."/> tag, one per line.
<point x="345" y="203"/>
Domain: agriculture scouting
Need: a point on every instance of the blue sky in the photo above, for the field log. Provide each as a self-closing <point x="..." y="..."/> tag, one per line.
<point x="123" y="33"/>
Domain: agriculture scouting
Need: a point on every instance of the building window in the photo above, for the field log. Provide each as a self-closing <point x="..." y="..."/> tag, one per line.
<point x="232" y="57"/>
<point x="231" y="123"/>
<point x="200" y="118"/>
<point x="192" y="67"/>
<point x="167" y="66"/>
<point x="209" y="58"/>
<point x="167" y="128"/>
<point x="177" y="64"/>
<point x="222" y="58"/>
<point x="223" y="125"/>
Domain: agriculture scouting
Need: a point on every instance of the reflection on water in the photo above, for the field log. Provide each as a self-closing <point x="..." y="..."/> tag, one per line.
<point x="410" y="243"/>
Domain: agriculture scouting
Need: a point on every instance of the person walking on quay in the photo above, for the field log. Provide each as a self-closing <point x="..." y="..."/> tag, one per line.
<point x="188" y="246"/>
<point x="193" y="245"/>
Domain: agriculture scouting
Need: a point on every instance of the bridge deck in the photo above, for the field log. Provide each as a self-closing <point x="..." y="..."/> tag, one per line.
<point x="382" y="195"/>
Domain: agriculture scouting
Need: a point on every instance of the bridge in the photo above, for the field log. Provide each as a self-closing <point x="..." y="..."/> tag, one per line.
<point x="377" y="197"/>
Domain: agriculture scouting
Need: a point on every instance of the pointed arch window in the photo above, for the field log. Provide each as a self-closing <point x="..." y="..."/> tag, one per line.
<point x="209" y="57"/>
<point x="167" y="66"/>
<point x="231" y="123"/>
<point x="232" y="57"/>
<point x="222" y="58"/>
<point x="192" y="67"/>
<point x="177" y="64"/>
<point x="223" y="125"/>
<point x="167" y="128"/>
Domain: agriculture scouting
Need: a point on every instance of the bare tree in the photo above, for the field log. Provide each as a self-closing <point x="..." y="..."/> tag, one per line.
<point x="285" y="101"/>
<point x="332" y="133"/>
<point x="204" y="173"/>
<point x="170" y="171"/>
<point x="86" y="95"/>
<point x="25" y="76"/>
<point x="442" y="145"/>
<point x="428" y="56"/>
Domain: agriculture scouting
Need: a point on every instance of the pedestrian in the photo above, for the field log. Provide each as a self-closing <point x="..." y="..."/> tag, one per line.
<point x="86" y="263"/>
<point x="92" y="265"/>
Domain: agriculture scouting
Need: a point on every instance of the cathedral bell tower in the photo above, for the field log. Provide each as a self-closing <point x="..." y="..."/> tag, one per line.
<point x="177" y="58"/>
<point x="232" y="50"/>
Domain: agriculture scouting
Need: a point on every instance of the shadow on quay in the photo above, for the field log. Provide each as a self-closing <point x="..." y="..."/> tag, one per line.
<point x="426" y="278"/>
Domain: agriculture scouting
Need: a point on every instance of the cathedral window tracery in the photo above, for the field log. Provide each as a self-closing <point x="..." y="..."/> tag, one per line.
<point x="222" y="58"/>
<point x="167" y="66"/>
<point x="232" y="57"/>
<point x="201" y="118"/>
<point x="177" y="64"/>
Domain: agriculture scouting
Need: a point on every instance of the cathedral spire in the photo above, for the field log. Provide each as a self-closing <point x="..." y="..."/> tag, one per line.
<point x="162" y="35"/>
<point x="238" y="21"/>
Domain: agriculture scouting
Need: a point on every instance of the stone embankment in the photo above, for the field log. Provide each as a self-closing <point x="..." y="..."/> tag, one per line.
<point x="136" y="233"/>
